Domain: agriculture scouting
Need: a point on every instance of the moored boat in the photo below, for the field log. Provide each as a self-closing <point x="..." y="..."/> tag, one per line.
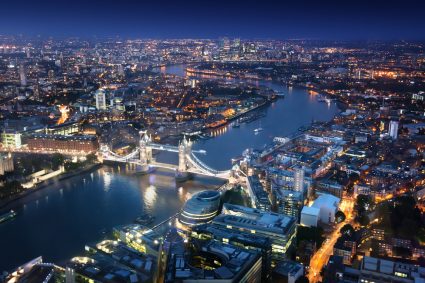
<point x="7" y="216"/>
<point x="145" y="219"/>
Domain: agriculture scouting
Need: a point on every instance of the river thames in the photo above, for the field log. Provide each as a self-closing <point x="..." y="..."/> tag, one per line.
<point x="56" y="222"/>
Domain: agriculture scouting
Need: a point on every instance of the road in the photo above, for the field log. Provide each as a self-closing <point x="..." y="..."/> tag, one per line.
<point x="321" y="257"/>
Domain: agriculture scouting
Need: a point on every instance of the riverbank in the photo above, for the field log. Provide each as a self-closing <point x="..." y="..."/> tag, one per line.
<point x="228" y="76"/>
<point x="9" y="203"/>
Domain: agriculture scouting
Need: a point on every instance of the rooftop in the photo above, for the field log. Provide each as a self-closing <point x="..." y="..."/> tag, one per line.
<point x="309" y="210"/>
<point x="234" y="262"/>
<point x="288" y="268"/>
<point x="326" y="200"/>
<point x="65" y="138"/>
<point x="255" y="219"/>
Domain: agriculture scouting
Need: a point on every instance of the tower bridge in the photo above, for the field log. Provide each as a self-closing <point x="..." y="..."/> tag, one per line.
<point x="188" y="161"/>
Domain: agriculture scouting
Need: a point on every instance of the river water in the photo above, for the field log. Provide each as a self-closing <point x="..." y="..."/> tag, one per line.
<point x="283" y="117"/>
<point x="56" y="222"/>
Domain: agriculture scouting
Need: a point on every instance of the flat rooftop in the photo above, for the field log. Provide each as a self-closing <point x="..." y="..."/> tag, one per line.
<point x="288" y="268"/>
<point x="255" y="219"/>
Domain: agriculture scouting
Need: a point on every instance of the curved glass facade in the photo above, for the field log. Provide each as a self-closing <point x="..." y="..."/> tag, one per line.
<point x="200" y="208"/>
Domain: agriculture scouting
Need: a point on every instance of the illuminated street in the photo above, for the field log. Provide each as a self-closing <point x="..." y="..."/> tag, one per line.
<point x="321" y="257"/>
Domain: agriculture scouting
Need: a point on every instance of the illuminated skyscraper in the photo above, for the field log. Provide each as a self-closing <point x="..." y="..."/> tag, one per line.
<point x="22" y="75"/>
<point x="299" y="180"/>
<point x="121" y="70"/>
<point x="100" y="100"/>
<point x="382" y="126"/>
<point x="224" y="46"/>
<point x="51" y="75"/>
<point x="393" y="131"/>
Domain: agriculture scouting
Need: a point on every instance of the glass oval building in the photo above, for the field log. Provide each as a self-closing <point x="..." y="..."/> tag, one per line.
<point x="200" y="208"/>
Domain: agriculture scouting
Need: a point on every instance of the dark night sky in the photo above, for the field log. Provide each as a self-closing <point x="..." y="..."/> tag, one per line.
<point x="317" y="19"/>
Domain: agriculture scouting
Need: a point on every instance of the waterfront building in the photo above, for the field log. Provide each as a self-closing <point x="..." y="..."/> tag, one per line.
<point x="258" y="194"/>
<point x="100" y="97"/>
<point x="36" y="271"/>
<point x="393" y="130"/>
<point x="6" y="163"/>
<point x="200" y="208"/>
<point x="11" y="139"/>
<point x="138" y="237"/>
<point x="281" y="229"/>
<point x="77" y="143"/>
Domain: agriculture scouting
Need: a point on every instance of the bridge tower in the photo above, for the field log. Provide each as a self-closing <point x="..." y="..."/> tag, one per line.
<point x="149" y="151"/>
<point x="188" y="146"/>
<point x="182" y="158"/>
<point x="145" y="149"/>
<point x="185" y="149"/>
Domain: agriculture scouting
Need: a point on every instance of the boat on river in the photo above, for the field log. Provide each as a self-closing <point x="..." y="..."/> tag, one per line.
<point x="7" y="216"/>
<point x="259" y="129"/>
<point x="145" y="219"/>
<point x="321" y="98"/>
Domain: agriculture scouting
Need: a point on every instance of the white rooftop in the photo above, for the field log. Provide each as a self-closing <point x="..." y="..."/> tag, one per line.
<point x="326" y="200"/>
<point x="309" y="210"/>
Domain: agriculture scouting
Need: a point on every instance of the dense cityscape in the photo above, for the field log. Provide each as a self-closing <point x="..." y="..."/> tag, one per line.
<point x="211" y="159"/>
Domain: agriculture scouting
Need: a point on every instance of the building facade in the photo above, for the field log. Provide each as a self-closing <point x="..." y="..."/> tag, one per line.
<point x="61" y="143"/>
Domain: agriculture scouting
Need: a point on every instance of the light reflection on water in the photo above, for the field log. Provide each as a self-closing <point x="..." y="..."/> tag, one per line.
<point x="180" y="192"/>
<point x="107" y="179"/>
<point x="149" y="197"/>
<point x="78" y="210"/>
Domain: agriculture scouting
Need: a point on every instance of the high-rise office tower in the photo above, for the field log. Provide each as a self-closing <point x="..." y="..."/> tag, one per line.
<point x="121" y="70"/>
<point x="393" y="130"/>
<point x="224" y="47"/>
<point x="100" y="100"/>
<point x="22" y="75"/>
<point x="299" y="180"/>
<point x="51" y="75"/>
